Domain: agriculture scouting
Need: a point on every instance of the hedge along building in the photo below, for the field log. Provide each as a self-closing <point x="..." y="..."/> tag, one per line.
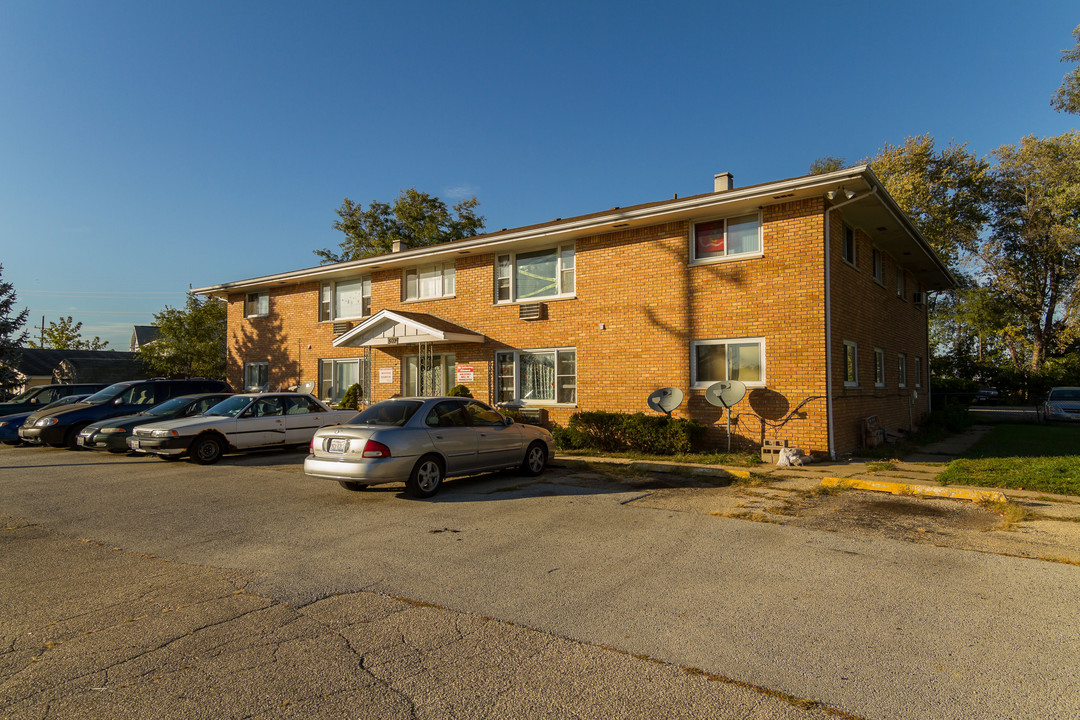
<point x="811" y="291"/>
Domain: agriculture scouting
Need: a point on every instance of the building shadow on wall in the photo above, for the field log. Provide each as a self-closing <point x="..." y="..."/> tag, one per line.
<point x="262" y="340"/>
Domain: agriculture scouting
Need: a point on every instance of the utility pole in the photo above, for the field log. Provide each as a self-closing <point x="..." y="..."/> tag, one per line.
<point x="42" y="331"/>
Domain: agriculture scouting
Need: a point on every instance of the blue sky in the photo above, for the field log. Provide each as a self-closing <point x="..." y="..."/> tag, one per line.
<point x="146" y="147"/>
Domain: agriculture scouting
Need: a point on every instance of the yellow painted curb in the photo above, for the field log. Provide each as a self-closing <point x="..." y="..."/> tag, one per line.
<point x="899" y="488"/>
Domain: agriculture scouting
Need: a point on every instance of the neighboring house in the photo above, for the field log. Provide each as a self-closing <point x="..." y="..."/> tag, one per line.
<point x="142" y="335"/>
<point x="42" y="367"/>
<point x="811" y="291"/>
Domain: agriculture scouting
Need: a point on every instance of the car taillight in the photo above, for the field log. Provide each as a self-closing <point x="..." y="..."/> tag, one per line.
<point x="375" y="450"/>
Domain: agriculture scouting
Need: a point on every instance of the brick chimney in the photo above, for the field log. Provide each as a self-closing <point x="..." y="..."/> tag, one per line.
<point x="723" y="182"/>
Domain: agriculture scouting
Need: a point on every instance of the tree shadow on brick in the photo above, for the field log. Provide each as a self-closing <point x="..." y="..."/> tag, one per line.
<point x="261" y="340"/>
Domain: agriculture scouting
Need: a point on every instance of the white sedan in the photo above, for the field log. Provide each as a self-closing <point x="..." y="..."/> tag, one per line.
<point x="242" y="422"/>
<point x="421" y="441"/>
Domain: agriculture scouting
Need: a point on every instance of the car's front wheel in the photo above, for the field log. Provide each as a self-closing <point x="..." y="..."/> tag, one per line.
<point x="426" y="477"/>
<point x="535" y="459"/>
<point x="207" y="449"/>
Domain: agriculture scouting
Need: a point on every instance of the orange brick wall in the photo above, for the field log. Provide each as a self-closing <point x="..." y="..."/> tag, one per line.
<point x="638" y="306"/>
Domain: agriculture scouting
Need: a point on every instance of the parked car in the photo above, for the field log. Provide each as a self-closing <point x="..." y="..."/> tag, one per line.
<point x="1063" y="403"/>
<point x="241" y="422"/>
<point x="112" y="435"/>
<point x="36" y="398"/>
<point x="10" y="424"/>
<point x="987" y="396"/>
<point x="421" y="441"/>
<point x="60" y="427"/>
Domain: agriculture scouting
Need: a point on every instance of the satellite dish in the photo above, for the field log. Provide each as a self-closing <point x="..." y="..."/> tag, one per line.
<point x="306" y="387"/>
<point x="726" y="394"/>
<point x="666" y="399"/>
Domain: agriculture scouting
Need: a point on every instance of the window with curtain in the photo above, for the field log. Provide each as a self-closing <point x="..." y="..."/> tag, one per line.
<point x="534" y="275"/>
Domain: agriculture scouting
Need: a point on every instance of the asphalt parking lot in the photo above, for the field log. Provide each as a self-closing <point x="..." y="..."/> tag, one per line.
<point x="139" y="588"/>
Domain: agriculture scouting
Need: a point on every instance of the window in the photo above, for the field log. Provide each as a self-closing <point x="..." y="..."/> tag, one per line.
<point x="345" y="299"/>
<point x="718" y="360"/>
<point x="879" y="267"/>
<point x="719" y="239"/>
<point x="337" y="376"/>
<point x="534" y="275"/>
<point x="879" y="367"/>
<point x="899" y="282"/>
<point x="851" y="364"/>
<point x="918" y="372"/>
<point x="429" y="381"/>
<point x="257" y="304"/>
<point x="537" y="376"/>
<point x="256" y="376"/>
<point x="849" y="245"/>
<point x="901" y="370"/>
<point x="430" y="281"/>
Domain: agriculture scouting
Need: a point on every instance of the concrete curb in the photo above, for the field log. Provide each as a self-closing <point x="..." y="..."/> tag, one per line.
<point x="900" y="488"/>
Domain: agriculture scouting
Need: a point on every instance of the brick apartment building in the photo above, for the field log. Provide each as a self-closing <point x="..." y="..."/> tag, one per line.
<point x="811" y="291"/>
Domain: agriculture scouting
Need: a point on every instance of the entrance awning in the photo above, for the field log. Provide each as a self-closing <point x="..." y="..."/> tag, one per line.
<point x="388" y="327"/>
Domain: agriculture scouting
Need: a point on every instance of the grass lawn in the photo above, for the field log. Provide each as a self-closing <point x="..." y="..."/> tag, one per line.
<point x="1022" y="457"/>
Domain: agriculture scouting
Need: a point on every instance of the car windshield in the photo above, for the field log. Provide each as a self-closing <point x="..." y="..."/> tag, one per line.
<point x="231" y="407"/>
<point x="168" y="407"/>
<point x="1065" y="394"/>
<point x="108" y="394"/>
<point x="27" y="395"/>
<point x="65" y="401"/>
<point x="390" y="413"/>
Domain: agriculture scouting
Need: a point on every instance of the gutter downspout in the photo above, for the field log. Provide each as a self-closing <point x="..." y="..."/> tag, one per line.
<point x="828" y="319"/>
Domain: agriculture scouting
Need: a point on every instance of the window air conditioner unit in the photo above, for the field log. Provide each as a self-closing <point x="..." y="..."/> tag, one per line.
<point x="529" y="311"/>
<point x="342" y="327"/>
<point x="918" y="298"/>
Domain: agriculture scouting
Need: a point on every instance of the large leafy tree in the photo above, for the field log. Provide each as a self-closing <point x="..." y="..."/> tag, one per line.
<point x="1032" y="258"/>
<point x="192" y="340"/>
<point x="1067" y="97"/>
<point x="66" y="334"/>
<point x="11" y="339"/>
<point x="415" y="218"/>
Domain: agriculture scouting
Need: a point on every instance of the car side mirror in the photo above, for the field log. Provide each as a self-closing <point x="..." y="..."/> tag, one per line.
<point x="508" y="420"/>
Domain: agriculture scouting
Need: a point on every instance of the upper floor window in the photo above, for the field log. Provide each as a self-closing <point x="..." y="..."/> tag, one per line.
<point x="257" y="304"/>
<point x="430" y="281"/>
<point x="901" y="370"/>
<point x="849" y="244"/>
<point x="536" y="274"/>
<point x="718" y="239"/>
<point x="879" y="267"/>
<point x="345" y="299"/>
<point x="714" y="361"/>
<point x="851" y="364"/>
<point x="899" y="281"/>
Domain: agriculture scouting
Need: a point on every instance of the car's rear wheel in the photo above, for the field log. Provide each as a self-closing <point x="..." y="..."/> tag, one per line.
<point x="354" y="486"/>
<point x="426" y="477"/>
<point x="535" y="459"/>
<point x="207" y="449"/>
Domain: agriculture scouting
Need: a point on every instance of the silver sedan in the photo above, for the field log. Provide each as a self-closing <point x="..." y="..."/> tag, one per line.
<point x="421" y="441"/>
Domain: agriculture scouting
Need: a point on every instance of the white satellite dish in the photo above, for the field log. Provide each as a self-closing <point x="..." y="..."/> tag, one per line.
<point x="665" y="399"/>
<point x="726" y="394"/>
<point x="306" y="387"/>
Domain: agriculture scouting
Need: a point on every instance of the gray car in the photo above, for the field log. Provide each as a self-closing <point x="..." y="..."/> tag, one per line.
<point x="1063" y="403"/>
<point x="421" y="441"/>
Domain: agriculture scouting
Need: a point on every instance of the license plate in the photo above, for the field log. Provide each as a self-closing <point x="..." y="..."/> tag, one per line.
<point x="338" y="445"/>
<point x="80" y="440"/>
<point x="134" y="444"/>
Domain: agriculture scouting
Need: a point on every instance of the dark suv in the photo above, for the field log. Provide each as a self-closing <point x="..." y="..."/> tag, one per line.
<point x="60" y="426"/>
<point x="36" y="398"/>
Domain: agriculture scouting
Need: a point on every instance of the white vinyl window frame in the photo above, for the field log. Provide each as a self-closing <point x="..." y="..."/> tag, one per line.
<point x="918" y="372"/>
<point x="901" y="370"/>
<point x="711" y="240"/>
<point x="879" y="267"/>
<point x="851" y="364"/>
<point x="512" y="275"/>
<point x="345" y="299"/>
<point x="336" y="376"/>
<point x="257" y="304"/>
<point x="431" y="281"/>
<point x="522" y="377"/>
<point x="732" y="347"/>
<point x="257" y="376"/>
<point x="879" y="368"/>
<point x="849" y="250"/>
<point x="900" y="289"/>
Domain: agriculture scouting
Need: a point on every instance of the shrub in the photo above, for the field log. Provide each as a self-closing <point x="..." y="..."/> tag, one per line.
<point x="460" y="391"/>
<point x="620" y="432"/>
<point x="351" y="400"/>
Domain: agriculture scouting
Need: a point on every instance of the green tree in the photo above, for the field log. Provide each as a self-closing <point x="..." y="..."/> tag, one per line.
<point x="945" y="193"/>
<point x="415" y="218"/>
<point x="1032" y="257"/>
<point x="827" y="164"/>
<point x="1067" y="97"/>
<point x="11" y="339"/>
<point x="192" y="340"/>
<point x="66" y="335"/>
